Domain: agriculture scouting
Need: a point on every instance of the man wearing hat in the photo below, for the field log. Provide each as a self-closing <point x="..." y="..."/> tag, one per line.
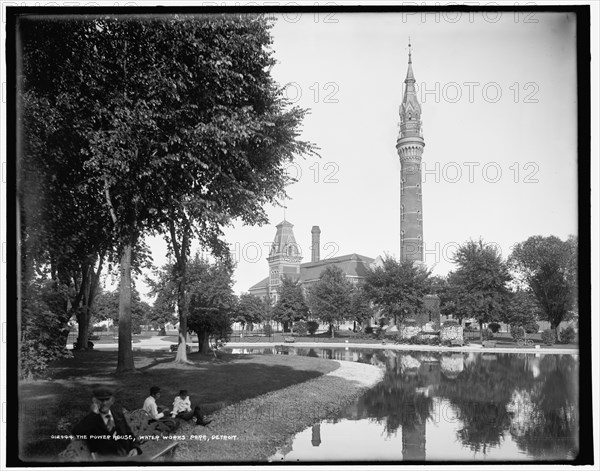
<point x="108" y="433"/>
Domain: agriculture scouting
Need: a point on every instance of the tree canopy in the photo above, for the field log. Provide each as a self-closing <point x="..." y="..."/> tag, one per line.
<point x="548" y="266"/>
<point x="479" y="286"/>
<point x="164" y="124"/>
<point x="330" y="298"/>
<point x="212" y="302"/>
<point x="250" y="310"/>
<point x="397" y="288"/>
<point x="291" y="305"/>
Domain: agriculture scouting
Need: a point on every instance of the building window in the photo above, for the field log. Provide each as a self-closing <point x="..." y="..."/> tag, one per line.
<point x="402" y="186"/>
<point x="402" y="212"/>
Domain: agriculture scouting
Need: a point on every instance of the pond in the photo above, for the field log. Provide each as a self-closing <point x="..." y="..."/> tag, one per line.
<point x="455" y="406"/>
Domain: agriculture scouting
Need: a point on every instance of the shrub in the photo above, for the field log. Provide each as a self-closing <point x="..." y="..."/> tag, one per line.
<point x="268" y="330"/>
<point x="567" y="335"/>
<point x="517" y="332"/>
<point x="44" y="329"/>
<point x="494" y="327"/>
<point x="312" y="327"/>
<point x="548" y="337"/>
<point x="368" y="330"/>
<point x="488" y="334"/>
<point x="300" y="328"/>
<point x="76" y="346"/>
<point x="532" y="328"/>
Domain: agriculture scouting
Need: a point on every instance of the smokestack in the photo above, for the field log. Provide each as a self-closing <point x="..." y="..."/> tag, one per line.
<point x="316" y="244"/>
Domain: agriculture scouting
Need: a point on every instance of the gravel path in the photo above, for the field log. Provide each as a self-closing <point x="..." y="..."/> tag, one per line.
<point x="252" y="430"/>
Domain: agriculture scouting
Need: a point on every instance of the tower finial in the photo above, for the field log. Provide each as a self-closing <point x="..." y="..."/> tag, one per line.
<point x="284" y="208"/>
<point x="409" y="52"/>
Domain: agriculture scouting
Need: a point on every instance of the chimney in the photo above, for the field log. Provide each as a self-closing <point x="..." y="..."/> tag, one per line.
<point x="316" y="243"/>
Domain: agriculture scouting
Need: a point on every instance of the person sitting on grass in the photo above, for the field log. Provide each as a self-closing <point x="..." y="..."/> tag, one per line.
<point x="109" y="436"/>
<point x="182" y="409"/>
<point x="159" y="413"/>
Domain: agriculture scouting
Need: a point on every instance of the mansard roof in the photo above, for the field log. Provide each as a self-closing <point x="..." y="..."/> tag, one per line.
<point x="351" y="264"/>
<point x="261" y="284"/>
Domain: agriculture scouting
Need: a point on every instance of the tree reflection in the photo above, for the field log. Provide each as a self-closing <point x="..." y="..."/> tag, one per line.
<point x="480" y="394"/>
<point x="532" y="398"/>
<point x="547" y="416"/>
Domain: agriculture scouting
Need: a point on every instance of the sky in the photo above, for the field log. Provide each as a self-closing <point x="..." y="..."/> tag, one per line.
<point x="498" y="97"/>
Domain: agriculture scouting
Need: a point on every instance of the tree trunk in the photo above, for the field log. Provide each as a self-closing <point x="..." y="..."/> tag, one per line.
<point x="83" y="322"/>
<point x="125" y="354"/>
<point x="203" y="345"/>
<point x="481" y="330"/>
<point x="83" y="317"/>
<point x="90" y="281"/>
<point x="181" y="253"/>
<point x="554" y="327"/>
<point x="331" y="329"/>
<point x="181" y="356"/>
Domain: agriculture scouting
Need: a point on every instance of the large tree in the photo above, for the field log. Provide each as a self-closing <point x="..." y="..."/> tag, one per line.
<point x="523" y="311"/>
<point x="106" y="307"/>
<point x="548" y="266"/>
<point x="182" y="129"/>
<point x="62" y="228"/>
<point x="361" y="309"/>
<point x="480" y="283"/>
<point x="330" y="298"/>
<point x="250" y="310"/>
<point x="291" y="306"/>
<point x="212" y="302"/>
<point x="397" y="288"/>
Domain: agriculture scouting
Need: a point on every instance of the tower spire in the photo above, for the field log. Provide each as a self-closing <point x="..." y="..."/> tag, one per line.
<point x="410" y="145"/>
<point x="410" y="78"/>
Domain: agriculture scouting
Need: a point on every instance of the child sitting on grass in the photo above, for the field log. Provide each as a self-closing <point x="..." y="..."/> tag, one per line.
<point x="182" y="409"/>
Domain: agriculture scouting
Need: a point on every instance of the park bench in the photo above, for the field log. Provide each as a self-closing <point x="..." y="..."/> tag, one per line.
<point x="140" y="424"/>
<point x="489" y="344"/>
<point x="456" y="343"/>
<point x="289" y="340"/>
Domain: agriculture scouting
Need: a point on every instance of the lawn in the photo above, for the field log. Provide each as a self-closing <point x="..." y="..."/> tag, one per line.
<point x="54" y="406"/>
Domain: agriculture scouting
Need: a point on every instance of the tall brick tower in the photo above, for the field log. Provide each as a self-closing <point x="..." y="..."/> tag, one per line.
<point x="410" y="145"/>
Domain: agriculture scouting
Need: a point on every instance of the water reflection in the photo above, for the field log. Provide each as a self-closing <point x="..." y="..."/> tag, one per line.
<point x="445" y="406"/>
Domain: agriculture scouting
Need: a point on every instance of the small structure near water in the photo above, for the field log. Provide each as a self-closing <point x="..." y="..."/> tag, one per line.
<point x="451" y="331"/>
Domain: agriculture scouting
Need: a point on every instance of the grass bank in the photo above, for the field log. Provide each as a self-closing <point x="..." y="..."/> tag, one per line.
<point x="51" y="407"/>
<point x="252" y="430"/>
